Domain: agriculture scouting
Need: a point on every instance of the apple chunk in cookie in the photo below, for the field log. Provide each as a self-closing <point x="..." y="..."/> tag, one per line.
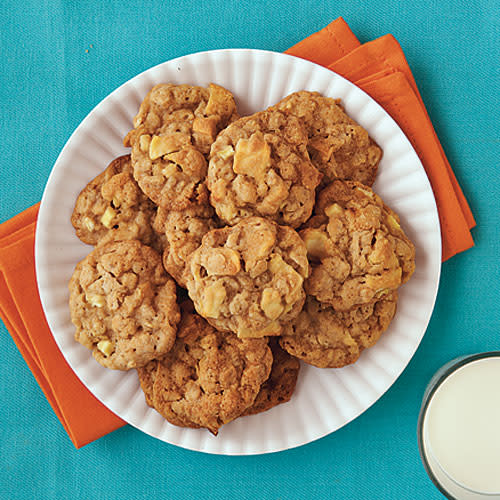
<point x="171" y="139"/>
<point x="124" y="305"/>
<point x="249" y="278"/>
<point x="259" y="166"/>
<point x="356" y="246"/>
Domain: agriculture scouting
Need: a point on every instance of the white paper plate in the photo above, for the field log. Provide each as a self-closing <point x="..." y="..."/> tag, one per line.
<point x="324" y="400"/>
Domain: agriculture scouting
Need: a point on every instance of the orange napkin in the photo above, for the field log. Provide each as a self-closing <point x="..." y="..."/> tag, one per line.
<point x="82" y="415"/>
<point x="379" y="68"/>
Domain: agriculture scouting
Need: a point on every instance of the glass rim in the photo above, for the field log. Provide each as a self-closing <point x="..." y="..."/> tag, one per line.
<point x="434" y="384"/>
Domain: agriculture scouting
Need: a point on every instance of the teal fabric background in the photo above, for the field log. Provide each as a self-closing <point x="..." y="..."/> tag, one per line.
<point x="49" y="82"/>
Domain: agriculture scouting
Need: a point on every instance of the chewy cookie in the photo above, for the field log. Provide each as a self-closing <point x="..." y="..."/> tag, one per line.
<point x="183" y="231"/>
<point x="209" y="378"/>
<point x="147" y="376"/>
<point x="123" y="305"/>
<point x="174" y="129"/>
<point x="248" y="278"/>
<point x="357" y="249"/>
<point x="259" y="166"/>
<point x="326" y="338"/>
<point x="112" y="207"/>
<point x="279" y="387"/>
<point x="338" y="146"/>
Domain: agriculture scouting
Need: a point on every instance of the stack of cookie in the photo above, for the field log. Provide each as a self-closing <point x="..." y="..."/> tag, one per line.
<point x="268" y="221"/>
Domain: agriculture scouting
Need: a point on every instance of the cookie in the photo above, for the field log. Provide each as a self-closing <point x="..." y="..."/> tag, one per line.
<point x="147" y="376"/>
<point x="173" y="132"/>
<point x="339" y="148"/>
<point x="356" y="246"/>
<point x="112" y="207"/>
<point x="209" y="378"/>
<point x="183" y="231"/>
<point x="259" y="166"/>
<point x="279" y="387"/>
<point x="123" y="305"/>
<point x="248" y="278"/>
<point x="326" y="338"/>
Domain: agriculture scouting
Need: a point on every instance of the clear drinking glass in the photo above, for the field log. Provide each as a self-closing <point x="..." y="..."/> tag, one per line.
<point x="459" y="428"/>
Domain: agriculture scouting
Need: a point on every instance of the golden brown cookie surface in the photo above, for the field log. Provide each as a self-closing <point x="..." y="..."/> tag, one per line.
<point x="112" y="207"/>
<point x="123" y="305"/>
<point x="327" y="338"/>
<point x="338" y="146"/>
<point x="209" y="378"/>
<point x="259" y="166"/>
<point x="173" y="132"/>
<point x="248" y="278"/>
<point x="183" y="231"/>
<point x="147" y="376"/>
<point x="356" y="247"/>
<point x="279" y="387"/>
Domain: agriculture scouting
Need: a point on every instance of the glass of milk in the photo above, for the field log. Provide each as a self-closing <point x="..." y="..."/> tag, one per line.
<point x="459" y="428"/>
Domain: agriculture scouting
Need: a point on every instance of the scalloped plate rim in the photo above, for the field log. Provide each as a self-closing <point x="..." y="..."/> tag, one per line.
<point x="42" y="224"/>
